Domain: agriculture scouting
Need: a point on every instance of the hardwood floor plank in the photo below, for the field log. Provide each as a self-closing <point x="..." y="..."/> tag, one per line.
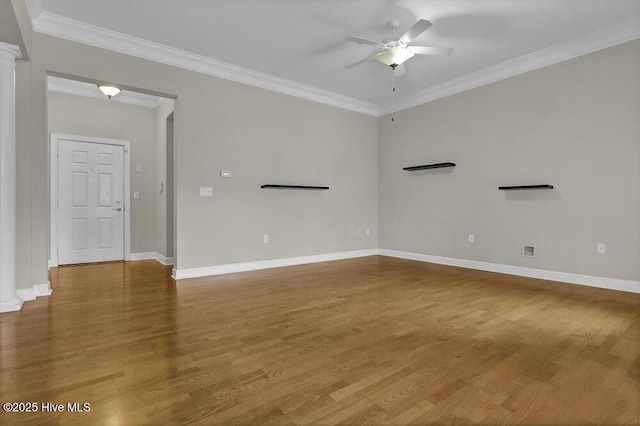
<point x="369" y="340"/>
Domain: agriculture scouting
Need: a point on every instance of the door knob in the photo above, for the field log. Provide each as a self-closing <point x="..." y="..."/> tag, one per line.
<point x="118" y="209"/>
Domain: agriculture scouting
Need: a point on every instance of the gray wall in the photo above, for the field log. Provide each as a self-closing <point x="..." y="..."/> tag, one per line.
<point x="261" y="136"/>
<point x="10" y="27"/>
<point x="164" y="200"/>
<point x="170" y="188"/>
<point x="265" y="137"/>
<point x="84" y="116"/>
<point x="575" y="125"/>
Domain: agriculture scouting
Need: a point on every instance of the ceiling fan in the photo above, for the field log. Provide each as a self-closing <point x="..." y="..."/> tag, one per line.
<point x="395" y="53"/>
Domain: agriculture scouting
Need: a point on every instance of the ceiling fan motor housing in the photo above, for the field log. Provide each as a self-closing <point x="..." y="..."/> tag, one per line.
<point x="394" y="24"/>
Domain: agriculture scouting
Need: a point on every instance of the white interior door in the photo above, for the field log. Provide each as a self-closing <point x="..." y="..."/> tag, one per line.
<point x="90" y="202"/>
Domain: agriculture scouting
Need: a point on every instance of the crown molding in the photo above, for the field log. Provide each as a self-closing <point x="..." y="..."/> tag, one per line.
<point x="561" y="52"/>
<point x="34" y="9"/>
<point x="69" y="29"/>
<point x="88" y="90"/>
<point x="58" y="26"/>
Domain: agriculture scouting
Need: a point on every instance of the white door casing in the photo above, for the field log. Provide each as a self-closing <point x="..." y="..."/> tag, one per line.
<point x="89" y="200"/>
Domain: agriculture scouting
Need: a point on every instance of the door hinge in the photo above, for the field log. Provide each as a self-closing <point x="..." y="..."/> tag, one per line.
<point x="58" y="153"/>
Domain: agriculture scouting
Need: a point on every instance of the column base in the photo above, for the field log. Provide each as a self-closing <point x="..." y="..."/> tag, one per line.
<point x="11" y="305"/>
<point x="38" y="290"/>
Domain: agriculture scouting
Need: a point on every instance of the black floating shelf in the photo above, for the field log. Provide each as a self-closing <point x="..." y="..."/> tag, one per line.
<point x="521" y="187"/>
<point x="429" y="166"/>
<point x="313" y="188"/>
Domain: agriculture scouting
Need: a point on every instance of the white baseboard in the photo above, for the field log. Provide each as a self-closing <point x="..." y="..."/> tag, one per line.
<point x="586" y="280"/>
<point x="152" y="255"/>
<point x="178" y="274"/>
<point x="42" y="289"/>
<point x="206" y="271"/>
<point x="38" y="290"/>
<point x="26" y="294"/>
<point x="164" y="260"/>
<point x="143" y="256"/>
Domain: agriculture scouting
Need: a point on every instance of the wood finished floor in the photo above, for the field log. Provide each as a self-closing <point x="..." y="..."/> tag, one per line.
<point x="370" y="340"/>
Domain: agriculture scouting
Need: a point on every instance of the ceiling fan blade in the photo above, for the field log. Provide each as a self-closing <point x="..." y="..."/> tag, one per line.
<point x="428" y="50"/>
<point x="365" y="41"/>
<point x="418" y="28"/>
<point x="400" y="70"/>
<point x="362" y="61"/>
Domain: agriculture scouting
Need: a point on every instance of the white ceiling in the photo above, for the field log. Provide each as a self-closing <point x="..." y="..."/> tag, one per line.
<point x="303" y="41"/>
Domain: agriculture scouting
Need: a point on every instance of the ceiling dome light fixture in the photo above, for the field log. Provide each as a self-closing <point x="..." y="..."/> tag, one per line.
<point x="109" y="91"/>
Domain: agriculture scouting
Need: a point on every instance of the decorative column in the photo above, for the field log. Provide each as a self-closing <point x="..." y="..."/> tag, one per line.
<point x="9" y="301"/>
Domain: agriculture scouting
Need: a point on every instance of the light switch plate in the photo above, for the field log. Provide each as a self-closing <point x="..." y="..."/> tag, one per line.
<point x="206" y="191"/>
<point x="136" y="195"/>
<point x="138" y="168"/>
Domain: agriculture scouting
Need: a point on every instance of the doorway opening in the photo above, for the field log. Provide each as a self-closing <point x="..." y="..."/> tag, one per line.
<point x="111" y="174"/>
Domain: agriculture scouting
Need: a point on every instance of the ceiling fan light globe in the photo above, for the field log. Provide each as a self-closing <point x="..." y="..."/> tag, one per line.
<point x="395" y="56"/>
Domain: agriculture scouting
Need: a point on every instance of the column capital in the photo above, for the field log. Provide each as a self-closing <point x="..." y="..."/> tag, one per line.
<point x="10" y="51"/>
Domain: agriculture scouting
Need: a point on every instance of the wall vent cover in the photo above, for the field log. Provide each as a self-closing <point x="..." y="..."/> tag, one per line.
<point x="529" y="251"/>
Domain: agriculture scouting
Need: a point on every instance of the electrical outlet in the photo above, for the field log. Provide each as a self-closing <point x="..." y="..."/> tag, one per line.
<point x="136" y="195"/>
<point x="367" y="232"/>
<point x="265" y="239"/>
<point x="472" y="238"/>
<point x="206" y="191"/>
<point x="601" y="248"/>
